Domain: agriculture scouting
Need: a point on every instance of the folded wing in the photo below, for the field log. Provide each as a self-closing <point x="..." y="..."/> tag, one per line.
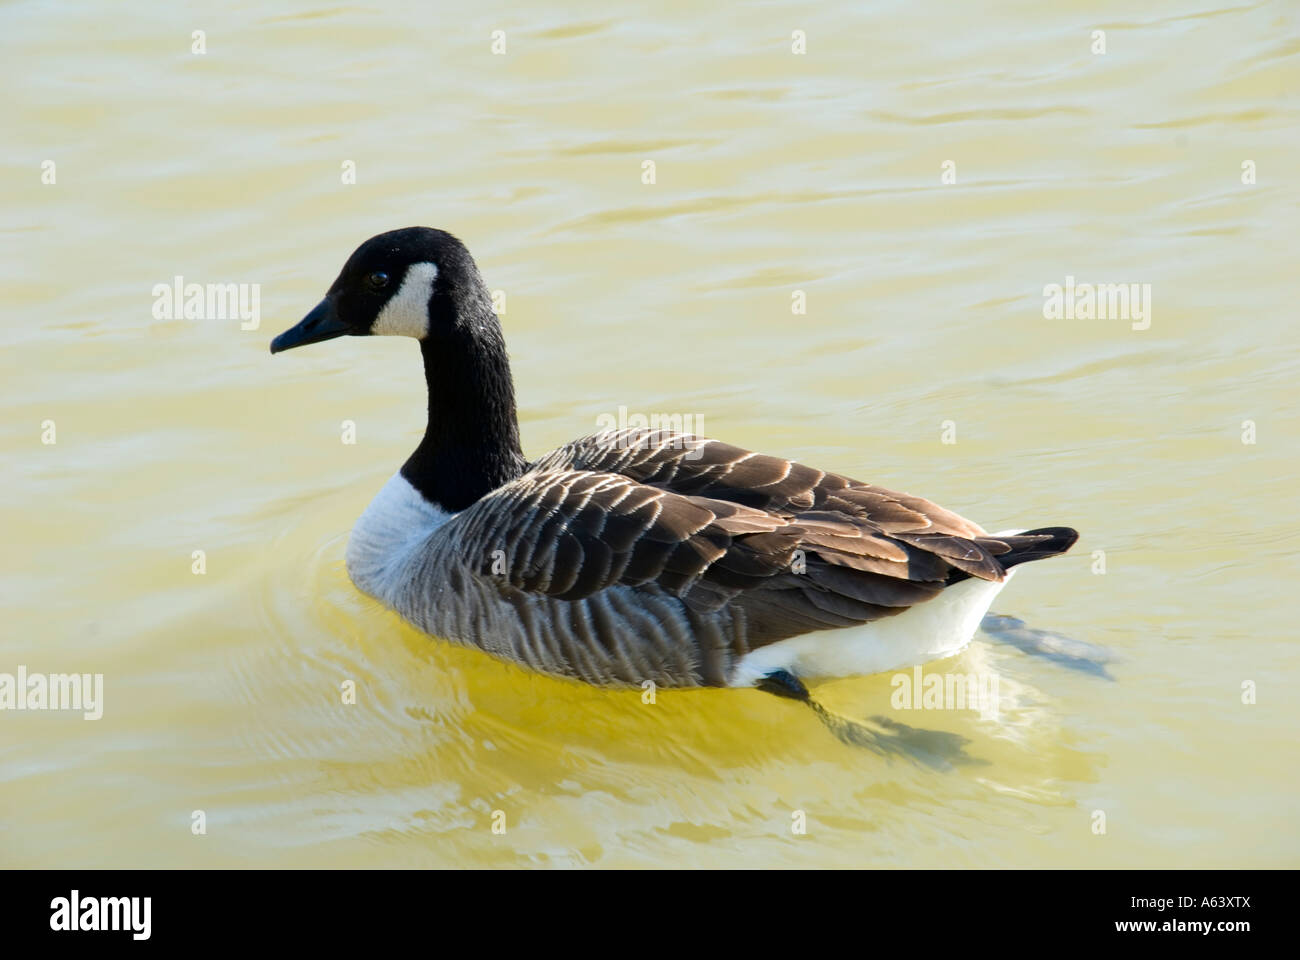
<point x="784" y="547"/>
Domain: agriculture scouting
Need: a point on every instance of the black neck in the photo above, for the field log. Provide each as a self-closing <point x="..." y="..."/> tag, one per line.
<point x="471" y="443"/>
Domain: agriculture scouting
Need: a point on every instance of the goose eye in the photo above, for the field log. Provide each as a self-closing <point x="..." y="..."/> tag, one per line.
<point x="377" y="280"/>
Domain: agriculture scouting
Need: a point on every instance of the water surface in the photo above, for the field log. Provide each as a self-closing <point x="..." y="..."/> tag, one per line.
<point x="775" y="173"/>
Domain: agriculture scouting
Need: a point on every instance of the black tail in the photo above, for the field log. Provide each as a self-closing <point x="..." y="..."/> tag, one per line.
<point x="1020" y="548"/>
<point x="1036" y="545"/>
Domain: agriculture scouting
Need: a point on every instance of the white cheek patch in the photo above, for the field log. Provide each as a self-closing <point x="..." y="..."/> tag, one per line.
<point x="406" y="314"/>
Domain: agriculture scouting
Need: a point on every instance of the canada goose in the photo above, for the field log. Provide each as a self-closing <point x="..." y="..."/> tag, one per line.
<point x="636" y="555"/>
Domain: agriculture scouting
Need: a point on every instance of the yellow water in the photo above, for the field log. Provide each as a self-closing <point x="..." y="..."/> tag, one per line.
<point x="775" y="172"/>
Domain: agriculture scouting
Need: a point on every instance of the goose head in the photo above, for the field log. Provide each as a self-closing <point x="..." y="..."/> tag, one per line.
<point x="416" y="282"/>
<point x="422" y="283"/>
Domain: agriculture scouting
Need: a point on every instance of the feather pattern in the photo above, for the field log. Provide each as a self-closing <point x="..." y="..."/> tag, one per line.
<point x="649" y="555"/>
<point x="632" y="555"/>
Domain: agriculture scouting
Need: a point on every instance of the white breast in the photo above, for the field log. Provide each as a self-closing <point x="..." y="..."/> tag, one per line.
<point x="387" y="537"/>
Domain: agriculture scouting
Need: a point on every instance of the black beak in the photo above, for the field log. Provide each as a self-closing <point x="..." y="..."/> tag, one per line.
<point x="322" y="323"/>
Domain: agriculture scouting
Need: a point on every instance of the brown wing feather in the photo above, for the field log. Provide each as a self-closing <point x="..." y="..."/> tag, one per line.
<point x="710" y="468"/>
<point x="789" y="548"/>
<point x="850" y="523"/>
<point x="570" y="533"/>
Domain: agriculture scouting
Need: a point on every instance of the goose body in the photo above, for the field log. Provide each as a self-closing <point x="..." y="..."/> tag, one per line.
<point x="636" y="555"/>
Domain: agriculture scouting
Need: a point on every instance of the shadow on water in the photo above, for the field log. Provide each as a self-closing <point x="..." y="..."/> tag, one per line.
<point x="937" y="749"/>
<point x="1058" y="648"/>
